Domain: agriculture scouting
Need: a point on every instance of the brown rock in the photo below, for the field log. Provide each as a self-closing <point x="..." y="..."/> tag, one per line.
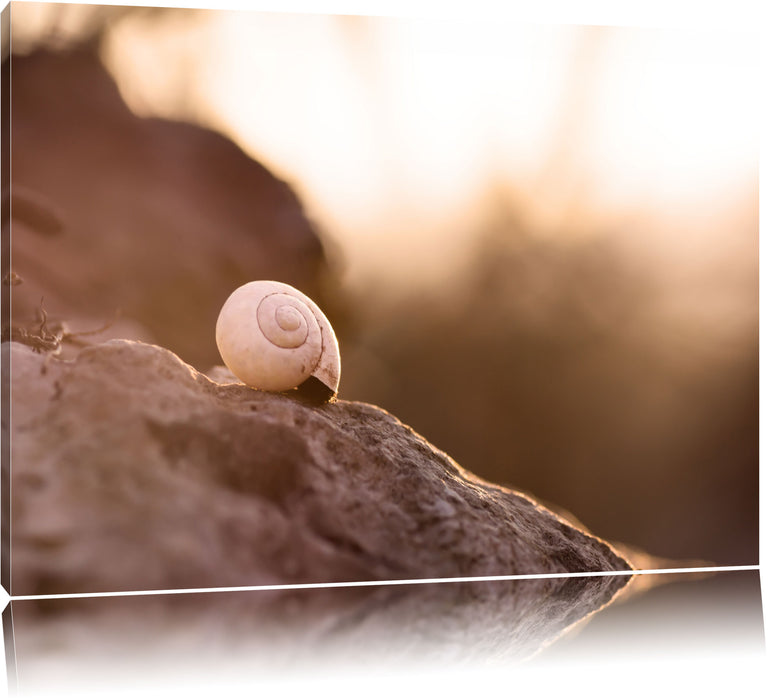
<point x="131" y="470"/>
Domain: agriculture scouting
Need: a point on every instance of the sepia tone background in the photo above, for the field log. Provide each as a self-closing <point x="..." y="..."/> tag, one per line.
<point x="538" y="244"/>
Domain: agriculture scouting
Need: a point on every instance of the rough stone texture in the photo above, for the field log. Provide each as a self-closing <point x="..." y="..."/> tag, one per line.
<point x="156" y="220"/>
<point x="131" y="470"/>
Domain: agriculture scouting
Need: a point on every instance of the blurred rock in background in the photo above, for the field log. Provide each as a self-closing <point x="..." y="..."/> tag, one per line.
<point x="152" y="220"/>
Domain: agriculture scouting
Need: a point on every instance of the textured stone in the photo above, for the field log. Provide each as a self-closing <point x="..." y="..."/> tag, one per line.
<point x="131" y="470"/>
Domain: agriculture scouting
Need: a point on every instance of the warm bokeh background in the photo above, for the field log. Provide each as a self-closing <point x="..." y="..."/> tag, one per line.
<point x="541" y="242"/>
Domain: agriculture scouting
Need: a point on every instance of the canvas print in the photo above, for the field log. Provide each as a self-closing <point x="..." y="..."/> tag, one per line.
<point x="456" y="321"/>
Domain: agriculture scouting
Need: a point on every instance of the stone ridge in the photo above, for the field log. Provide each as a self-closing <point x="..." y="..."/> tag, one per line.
<point x="131" y="470"/>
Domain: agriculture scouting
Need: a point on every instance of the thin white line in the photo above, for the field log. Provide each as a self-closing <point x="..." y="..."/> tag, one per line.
<point x="393" y="582"/>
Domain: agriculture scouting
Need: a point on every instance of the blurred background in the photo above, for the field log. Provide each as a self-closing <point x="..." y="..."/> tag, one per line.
<point x="538" y="244"/>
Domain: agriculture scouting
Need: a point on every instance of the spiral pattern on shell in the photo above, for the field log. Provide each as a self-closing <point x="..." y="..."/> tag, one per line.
<point x="285" y="321"/>
<point x="273" y="337"/>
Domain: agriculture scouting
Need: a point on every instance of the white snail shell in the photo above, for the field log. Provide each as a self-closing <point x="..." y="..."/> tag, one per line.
<point x="273" y="337"/>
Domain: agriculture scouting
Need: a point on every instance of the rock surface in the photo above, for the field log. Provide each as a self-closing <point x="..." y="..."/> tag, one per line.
<point x="131" y="470"/>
